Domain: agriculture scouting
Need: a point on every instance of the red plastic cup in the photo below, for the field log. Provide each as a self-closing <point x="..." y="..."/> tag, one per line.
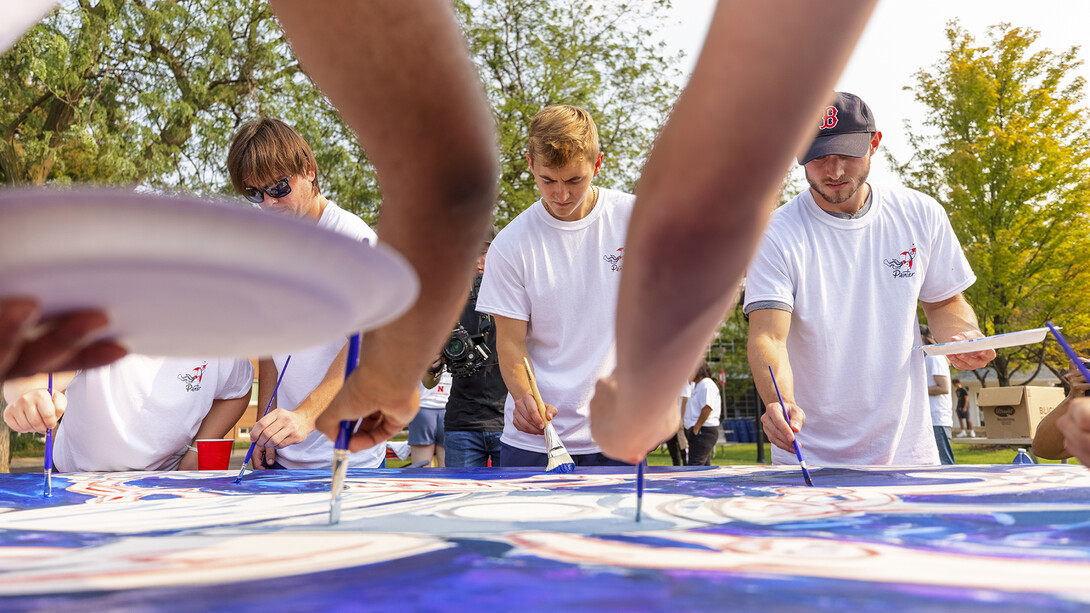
<point x="214" y="453"/>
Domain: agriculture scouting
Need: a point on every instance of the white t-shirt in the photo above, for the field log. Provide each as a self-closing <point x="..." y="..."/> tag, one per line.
<point x="561" y="277"/>
<point x="140" y="412"/>
<point x="308" y="367"/>
<point x="853" y="285"/>
<point x="705" y="392"/>
<point x="436" y="397"/>
<point x="683" y="400"/>
<point x="941" y="414"/>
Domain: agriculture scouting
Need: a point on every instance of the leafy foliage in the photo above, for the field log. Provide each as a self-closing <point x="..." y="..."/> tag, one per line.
<point x="602" y="57"/>
<point x="150" y="92"/>
<point x="1006" y="149"/>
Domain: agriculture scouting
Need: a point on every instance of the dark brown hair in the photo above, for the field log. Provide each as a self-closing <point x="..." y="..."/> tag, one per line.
<point x="268" y="149"/>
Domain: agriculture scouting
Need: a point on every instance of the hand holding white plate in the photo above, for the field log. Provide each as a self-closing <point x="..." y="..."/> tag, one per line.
<point x="997" y="341"/>
<point x="179" y="276"/>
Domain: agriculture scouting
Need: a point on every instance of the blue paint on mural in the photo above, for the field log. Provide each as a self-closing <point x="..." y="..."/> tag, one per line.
<point x="716" y="539"/>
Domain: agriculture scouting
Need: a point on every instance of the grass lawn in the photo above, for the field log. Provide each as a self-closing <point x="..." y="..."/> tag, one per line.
<point x="746" y="453"/>
<point x="32" y="445"/>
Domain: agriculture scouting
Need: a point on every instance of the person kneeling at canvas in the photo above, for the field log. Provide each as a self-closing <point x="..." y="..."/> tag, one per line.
<point x="1075" y="427"/>
<point x="1065" y="431"/>
<point x="139" y="413"/>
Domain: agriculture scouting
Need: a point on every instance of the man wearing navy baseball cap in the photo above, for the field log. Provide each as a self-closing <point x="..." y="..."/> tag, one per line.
<point x="832" y="295"/>
<point x="846" y="128"/>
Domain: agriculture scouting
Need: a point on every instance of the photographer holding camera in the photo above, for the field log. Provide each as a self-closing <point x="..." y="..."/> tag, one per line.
<point x="474" y="419"/>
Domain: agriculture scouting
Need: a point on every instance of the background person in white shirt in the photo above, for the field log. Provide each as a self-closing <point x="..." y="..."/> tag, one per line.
<point x="702" y="416"/>
<point x="938" y="398"/>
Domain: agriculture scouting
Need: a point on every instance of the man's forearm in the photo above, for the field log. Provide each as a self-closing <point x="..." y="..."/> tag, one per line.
<point x="366" y="57"/>
<point x="704" y="413"/>
<point x="950" y="317"/>
<point x="512" y="369"/>
<point x="762" y="354"/>
<point x="701" y="249"/>
<point x="266" y="383"/>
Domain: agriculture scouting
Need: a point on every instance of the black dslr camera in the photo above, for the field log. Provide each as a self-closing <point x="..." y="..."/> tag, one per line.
<point x="464" y="353"/>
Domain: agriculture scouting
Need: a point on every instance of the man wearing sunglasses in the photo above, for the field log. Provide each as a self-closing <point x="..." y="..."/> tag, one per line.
<point x="274" y="168"/>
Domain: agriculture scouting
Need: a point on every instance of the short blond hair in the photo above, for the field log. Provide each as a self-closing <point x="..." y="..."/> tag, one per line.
<point x="268" y="149"/>
<point x="560" y="134"/>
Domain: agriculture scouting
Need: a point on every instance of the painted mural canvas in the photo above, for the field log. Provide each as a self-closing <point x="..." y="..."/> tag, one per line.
<point x="970" y="538"/>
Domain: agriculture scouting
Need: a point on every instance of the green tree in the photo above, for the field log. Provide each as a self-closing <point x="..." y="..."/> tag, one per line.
<point x="601" y="56"/>
<point x="1006" y="149"/>
<point x="150" y="92"/>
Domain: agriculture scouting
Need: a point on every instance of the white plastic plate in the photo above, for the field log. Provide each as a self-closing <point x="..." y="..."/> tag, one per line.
<point x="1010" y="339"/>
<point x="180" y="276"/>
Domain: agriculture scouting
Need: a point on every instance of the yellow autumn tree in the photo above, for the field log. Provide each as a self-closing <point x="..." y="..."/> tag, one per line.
<point x="1005" y="148"/>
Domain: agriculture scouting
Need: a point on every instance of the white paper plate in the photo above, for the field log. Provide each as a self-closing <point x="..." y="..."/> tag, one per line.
<point x="179" y="276"/>
<point x="1010" y="339"/>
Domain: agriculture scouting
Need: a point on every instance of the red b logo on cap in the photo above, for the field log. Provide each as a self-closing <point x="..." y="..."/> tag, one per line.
<point x="828" y="122"/>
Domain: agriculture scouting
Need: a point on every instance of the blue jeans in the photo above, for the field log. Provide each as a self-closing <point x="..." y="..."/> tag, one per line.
<point x="468" y="449"/>
<point x="942" y="440"/>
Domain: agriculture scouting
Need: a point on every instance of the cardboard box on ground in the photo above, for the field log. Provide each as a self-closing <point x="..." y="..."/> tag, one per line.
<point x="1014" y="412"/>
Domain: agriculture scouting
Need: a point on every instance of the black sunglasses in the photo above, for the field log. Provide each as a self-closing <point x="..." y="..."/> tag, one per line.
<point x="277" y="190"/>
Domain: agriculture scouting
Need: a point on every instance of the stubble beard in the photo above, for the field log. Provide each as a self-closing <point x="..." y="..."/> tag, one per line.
<point x="832" y="198"/>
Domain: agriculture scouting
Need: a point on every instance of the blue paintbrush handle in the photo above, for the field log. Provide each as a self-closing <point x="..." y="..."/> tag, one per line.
<point x="351" y="362"/>
<point x="276" y="388"/>
<point x="1069" y="351"/>
<point x="795" y="441"/>
<point x="49" y="433"/>
<point x="344" y="433"/>
<point x="48" y="491"/>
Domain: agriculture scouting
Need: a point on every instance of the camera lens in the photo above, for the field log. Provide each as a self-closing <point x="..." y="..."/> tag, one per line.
<point x="455" y="348"/>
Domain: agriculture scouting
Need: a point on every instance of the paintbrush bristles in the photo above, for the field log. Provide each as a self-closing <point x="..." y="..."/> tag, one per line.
<point x="559" y="459"/>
